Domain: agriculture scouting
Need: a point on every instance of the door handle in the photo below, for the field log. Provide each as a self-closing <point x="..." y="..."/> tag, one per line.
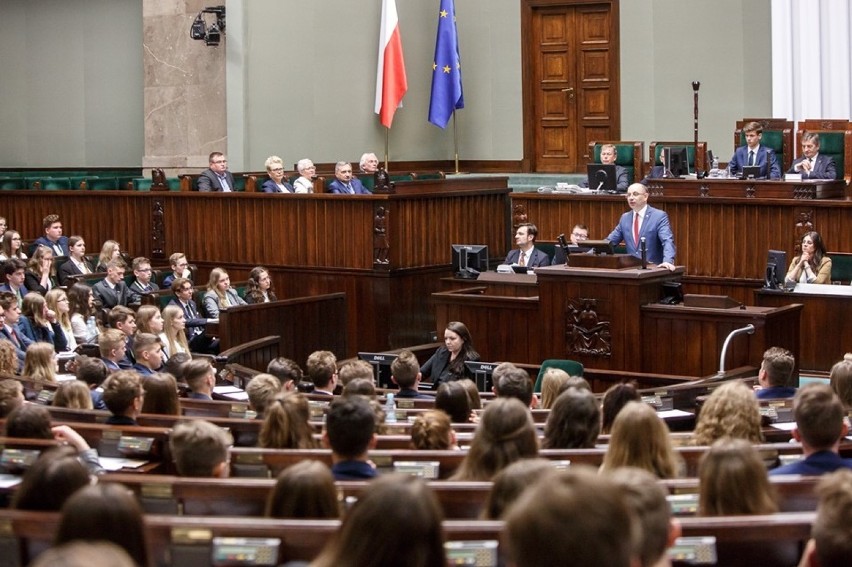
<point x="570" y="92"/>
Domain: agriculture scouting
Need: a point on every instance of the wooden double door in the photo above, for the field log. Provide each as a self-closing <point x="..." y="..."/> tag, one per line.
<point x="571" y="81"/>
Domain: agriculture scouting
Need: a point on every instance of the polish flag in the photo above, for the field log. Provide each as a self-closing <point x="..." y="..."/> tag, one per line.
<point x="391" y="83"/>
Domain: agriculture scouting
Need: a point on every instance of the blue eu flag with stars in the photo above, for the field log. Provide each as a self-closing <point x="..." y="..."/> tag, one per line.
<point x="446" y="69"/>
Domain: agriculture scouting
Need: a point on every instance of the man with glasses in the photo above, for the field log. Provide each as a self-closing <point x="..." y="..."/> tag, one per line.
<point x="142" y="283"/>
<point x="180" y="269"/>
<point x="195" y="323"/>
<point x="216" y="177"/>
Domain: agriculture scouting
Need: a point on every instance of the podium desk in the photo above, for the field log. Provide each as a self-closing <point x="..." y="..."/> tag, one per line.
<point x="748" y="188"/>
<point x="825" y="330"/>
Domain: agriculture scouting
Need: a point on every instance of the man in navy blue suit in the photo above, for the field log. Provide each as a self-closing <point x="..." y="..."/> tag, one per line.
<point x="644" y="221"/>
<point x="526" y="254"/>
<point x="53" y="238"/>
<point x="345" y="184"/>
<point x="812" y="164"/>
<point x="819" y="428"/>
<point x="753" y="153"/>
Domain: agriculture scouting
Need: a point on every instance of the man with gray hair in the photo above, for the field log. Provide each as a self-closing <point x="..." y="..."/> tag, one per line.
<point x="346" y="184"/>
<point x="369" y="163"/>
<point x="812" y="164"/>
<point x="307" y="171"/>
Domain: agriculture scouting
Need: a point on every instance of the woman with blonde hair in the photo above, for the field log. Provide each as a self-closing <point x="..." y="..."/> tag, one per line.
<point x="39" y="274"/>
<point x="732" y="481"/>
<point x="57" y="301"/>
<point x="220" y="294"/>
<point x="286" y="423"/>
<point x="8" y="359"/>
<point x="431" y="430"/>
<point x="551" y="386"/>
<point x="73" y="394"/>
<point x="730" y="411"/>
<point x="39" y="323"/>
<point x="840" y="380"/>
<point x="506" y="433"/>
<point x="173" y="336"/>
<point x="641" y="439"/>
<point x="40" y="363"/>
<point x="111" y="250"/>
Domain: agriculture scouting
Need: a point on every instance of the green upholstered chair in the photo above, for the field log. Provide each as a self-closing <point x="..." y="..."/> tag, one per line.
<point x="841" y="267"/>
<point x="777" y="134"/>
<point x="835" y="140"/>
<point x="655" y="153"/>
<point x="572" y="367"/>
<point x="102" y="183"/>
<point x="56" y="184"/>
<point x="12" y="183"/>
<point x="628" y="155"/>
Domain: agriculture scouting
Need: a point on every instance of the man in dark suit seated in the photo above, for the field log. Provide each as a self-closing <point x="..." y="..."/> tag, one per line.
<point x="644" y="221"/>
<point x="753" y="153"/>
<point x="195" y="323"/>
<point x="321" y="369"/>
<point x="10" y="314"/>
<point x="142" y="284"/>
<point x="608" y="156"/>
<point x="123" y="396"/>
<point x="812" y="164"/>
<point x="831" y="533"/>
<point x="216" y="177"/>
<point x="776" y="374"/>
<point x="201" y="377"/>
<point x="526" y="254"/>
<point x="820" y="426"/>
<point x="350" y="433"/>
<point x="14" y="271"/>
<point x="53" y="238"/>
<point x="405" y="373"/>
<point x="112" y="290"/>
<point x="345" y="184"/>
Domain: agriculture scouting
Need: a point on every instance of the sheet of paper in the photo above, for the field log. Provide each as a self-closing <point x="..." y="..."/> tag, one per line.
<point x="673" y="413"/>
<point x="113" y="464"/>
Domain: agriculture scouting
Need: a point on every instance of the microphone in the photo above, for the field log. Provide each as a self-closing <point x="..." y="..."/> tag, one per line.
<point x="643" y="248"/>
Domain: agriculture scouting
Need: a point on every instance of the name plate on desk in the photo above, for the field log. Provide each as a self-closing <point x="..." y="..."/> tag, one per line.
<point x="822" y="289"/>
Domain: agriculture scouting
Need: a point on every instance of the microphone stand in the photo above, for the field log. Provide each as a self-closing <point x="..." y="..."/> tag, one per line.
<point x="643" y="248"/>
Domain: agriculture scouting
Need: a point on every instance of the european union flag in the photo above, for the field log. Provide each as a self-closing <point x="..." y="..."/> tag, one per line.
<point x="446" y="69"/>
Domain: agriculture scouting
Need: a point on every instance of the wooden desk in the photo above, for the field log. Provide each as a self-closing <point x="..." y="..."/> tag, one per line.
<point x="747" y="188"/>
<point x="511" y="285"/>
<point x="825" y="330"/>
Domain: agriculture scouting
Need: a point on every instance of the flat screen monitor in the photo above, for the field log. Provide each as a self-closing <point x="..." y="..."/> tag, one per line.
<point x="469" y="260"/>
<point x="676" y="160"/>
<point x="776" y="269"/>
<point x="602" y="176"/>
<point x="381" y="362"/>
<point x="482" y="374"/>
<point x="598" y="246"/>
<point x="751" y="172"/>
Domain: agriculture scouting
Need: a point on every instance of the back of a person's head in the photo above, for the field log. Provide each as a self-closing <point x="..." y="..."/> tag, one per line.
<point x="641" y="439"/>
<point x="733" y="481"/>
<point x="176" y="363"/>
<point x="121" y="389"/>
<point x="199" y="449"/>
<point x="84" y="554"/>
<point x="405" y="369"/>
<point x="305" y="490"/>
<point x="360" y="387"/>
<point x="29" y="421"/>
<point x="56" y="475"/>
<point x="505" y="434"/>
<point x="819" y="416"/>
<point x="320" y="367"/>
<point x="574" y="518"/>
<point x="350" y="426"/>
<point x="514" y="383"/>
<point x="731" y="410"/>
<point x="832" y="529"/>
<point x="551" y="386"/>
<point x="90" y="370"/>
<point x="355" y="370"/>
<point x="8" y="359"/>
<point x="472" y="393"/>
<point x="452" y="398"/>
<point x="161" y="394"/>
<point x="286" y="423"/>
<point x="261" y="390"/>
<point x="105" y="511"/>
<point x="647" y="499"/>
<point x="285" y="370"/>
<point x="195" y="373"/>
<point x="574" y="421"/>
<point x="778" y="364"/>
<point x="74" y="394"/>
<point x="615" y="398"/>
<point x="11" y="396"/>
<point x="841" y="381"/>
<point x="512" y="481"/>
<point x="431" y="430"/>
<point x="410" y="535"/>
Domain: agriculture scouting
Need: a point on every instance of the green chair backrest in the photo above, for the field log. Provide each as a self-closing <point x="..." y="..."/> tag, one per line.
<point x="623" y="157"/>
<point x="548" y="248"/>
<point x="56" y="183"/>
<point x="771" y="139"/>
<point x="572" y="367"/>
<point x="841" y="267"/>
<point x="832" y="144"/>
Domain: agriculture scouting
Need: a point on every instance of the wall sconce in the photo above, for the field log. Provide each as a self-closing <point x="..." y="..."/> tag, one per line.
<point x="213" y="33"/>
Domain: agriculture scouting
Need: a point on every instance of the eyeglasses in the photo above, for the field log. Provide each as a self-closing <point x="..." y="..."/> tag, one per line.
<point x="144" y="270"/>
<point x="186" y="289"/>
<point x="580" y="235"/>
<point x="277" y="169"/>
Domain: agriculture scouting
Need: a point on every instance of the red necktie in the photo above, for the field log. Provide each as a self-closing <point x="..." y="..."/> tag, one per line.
<point x="636" y="228"/>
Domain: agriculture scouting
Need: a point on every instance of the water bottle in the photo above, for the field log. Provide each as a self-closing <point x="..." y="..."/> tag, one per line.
<point x="390" y="409"/>
<point x="714" y="168"/>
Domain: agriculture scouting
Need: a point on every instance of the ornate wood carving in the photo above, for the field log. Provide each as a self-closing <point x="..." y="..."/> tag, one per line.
<point x="585" y="332"/>
<point x="380" y="237"/>
<point x="519" y="215"/>
<point x="158" y="228"/>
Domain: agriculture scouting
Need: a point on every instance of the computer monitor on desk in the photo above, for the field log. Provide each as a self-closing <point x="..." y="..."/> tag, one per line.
<point x="381" y="362"/>
<point x="482" y="374"/>
<point x="602" y="176"/>
<point x="469" y="260"/>
<point x="598" y="247"/>
<point x="776" y="269"/>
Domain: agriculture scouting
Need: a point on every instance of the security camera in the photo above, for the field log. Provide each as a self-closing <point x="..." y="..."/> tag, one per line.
<point x="213" y="36"/>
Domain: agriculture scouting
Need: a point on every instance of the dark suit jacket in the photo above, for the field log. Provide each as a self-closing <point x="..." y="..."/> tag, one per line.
<point x="36" y="333"/>
<point x="819" y="463"/>
<point x="33" y="283"/>
<point x="537" y="258"/>
<point x="43" y="241"/>
<point x="136" y="291"/>
<point x="194" y="322"/>
<point x="209" y="181"/>
<point x="659" y="240"/>
<point x="109" y="297"/>
<point x="270" y="186"/>
<point x="762" y="156"/>
<point x="69" y="268"/>
<point x="20" y="348"/>
<point x="337" y="186"/>
<point x="7" y="287"/>
<point x="410" y="393"/>
<point x="353" y="470"/>
<point x="437" y="368"/>
<point x="824" y="168"/>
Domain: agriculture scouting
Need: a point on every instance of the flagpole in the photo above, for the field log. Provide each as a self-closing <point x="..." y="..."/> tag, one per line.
<point x="456" y="141"/>
<point x="387" y="138"/>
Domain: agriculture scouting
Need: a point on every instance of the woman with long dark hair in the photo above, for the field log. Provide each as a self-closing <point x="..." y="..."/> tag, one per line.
<point x="447" y="364"/>
<point x="813" y="265"/>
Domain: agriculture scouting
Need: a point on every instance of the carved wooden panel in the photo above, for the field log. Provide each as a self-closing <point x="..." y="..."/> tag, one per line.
<point x="586" y="333"/>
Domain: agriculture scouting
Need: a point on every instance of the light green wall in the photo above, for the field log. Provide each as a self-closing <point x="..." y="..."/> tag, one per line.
<point x="71" y="83"/>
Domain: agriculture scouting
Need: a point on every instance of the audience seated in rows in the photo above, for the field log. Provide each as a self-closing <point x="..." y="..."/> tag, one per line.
<point x="38" y="277"/>
<point x="73" y="394"/>
<point x="40" y="363"/>
<point x="80" y="553"/>
<point x="123" y="396"/>
<point x="513" y="382"/>
<point x="200" y="375"/>
<point x="142" y="283"/>
<point x="452" y="398"/>
<point x="161" y="394"/>
<point x="321" y="368"/>
<point x="641" y="439"/>
<point x="286" y="423"/>
<point x="353" y="370"/>
<point x="432" y="431"/>
<point x="57" y="302"/>
<point x="92" y="372"/>
<point x="262" y="390"/>
<point x="405" y="373"/>
<point x="731" y="410"/>
<point x="148" y="353"/>
<point x="77" y="263"/>
<point x="513" y="481"/>
<point x="39" y="324"/>
<point x="81" y="302"/>
<point x="287" y="371"/>
<point x="614" y="399"/>
<point x="776" y="374"/>
<point x="259" y="288"/>
<point x="831" y="534"/>
<point x="14" y="271"/>
<point x="361" y="387"/>
<point x="200" y="449"/>
<point x="841" y="380"/>
<point x="51" y="480"/>
<point x="733" y="481"/>
<point x="52" y="237"/>
<point x="551" y="386"/>
<point x="306" y="491"/>
<point x="350" y="434"/>
<point x="11" y="396"/>
<point x="179" y="266"/>
<point x="574" y="422"/>
<point x="8" y="358"/>
<point x="124" y="319"/>
<point x="220" y="294"/>
<point x="112" y="290"/>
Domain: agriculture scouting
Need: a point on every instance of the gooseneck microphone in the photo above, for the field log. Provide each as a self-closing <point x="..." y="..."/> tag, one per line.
<point x="643" y="248"/>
